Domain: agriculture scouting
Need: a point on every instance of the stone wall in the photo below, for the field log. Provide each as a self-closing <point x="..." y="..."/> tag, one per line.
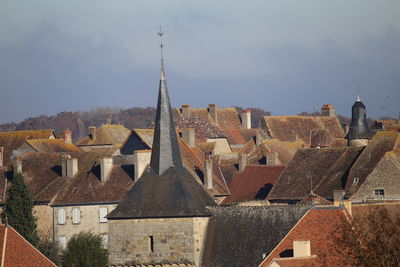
<point x="385" y="177"/>
<point x="156" y="241"/>
<point x="44" y="215"/>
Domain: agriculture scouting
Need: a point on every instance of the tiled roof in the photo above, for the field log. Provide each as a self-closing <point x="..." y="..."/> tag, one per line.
<point x="240" y="136"/>
<point x="13" y="140"/>
<point x="228" y="118"/>
<point x="18" y="252"/>
<point x="325" y="169"/>
<point x="203" y="129"/>
<point x="286" y="128"/>
<point x="51" y="145"/>
<point x="253" y="183"/>
<point x="319" y="226"/>
<point x="108" y="134"/>
<point x="314" y="199"/>
<point x="285" y="150"/>
<point x="296" y="262"/>
<point x="380" y="143"/>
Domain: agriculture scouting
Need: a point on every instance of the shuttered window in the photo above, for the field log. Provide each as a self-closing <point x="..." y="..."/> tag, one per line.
<point x="76" y="216"/>
<point x="102" y="214"/>
<point x="62" y="241"/>
<point x="104" y="241"/>
<point x="61" y="216"/>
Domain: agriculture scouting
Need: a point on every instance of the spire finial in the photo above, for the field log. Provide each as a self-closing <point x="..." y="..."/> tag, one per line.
<point x="358" y="91"/>
<point x="160" y="33"/>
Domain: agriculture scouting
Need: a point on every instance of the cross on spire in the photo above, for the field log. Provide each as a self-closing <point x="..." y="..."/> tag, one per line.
<point x="160" y="33"/>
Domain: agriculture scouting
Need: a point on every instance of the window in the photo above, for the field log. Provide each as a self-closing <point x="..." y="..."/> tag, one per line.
<point x="151" y="243"/>
<point x="76" y="216"/>
<point x="379" y="192"/>
<point x="355" y="181"/>
<point x="102" y="214"/>
<point x="62" y="241"/>
<point x="61" y="216"/>
<point x="104" y="240"/>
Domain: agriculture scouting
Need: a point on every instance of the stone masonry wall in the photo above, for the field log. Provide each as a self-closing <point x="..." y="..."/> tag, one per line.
<point x="156" y="241"/>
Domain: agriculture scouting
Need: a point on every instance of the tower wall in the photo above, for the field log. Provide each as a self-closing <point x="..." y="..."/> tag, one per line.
<point x="156" y="241"/>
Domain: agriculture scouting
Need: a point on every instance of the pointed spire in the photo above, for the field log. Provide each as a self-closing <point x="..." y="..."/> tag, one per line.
<point x="165" y="150"/>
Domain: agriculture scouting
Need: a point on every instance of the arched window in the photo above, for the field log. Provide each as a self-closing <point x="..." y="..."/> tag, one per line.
<point x="76" y="216"/>
<point x="61" y="216"/>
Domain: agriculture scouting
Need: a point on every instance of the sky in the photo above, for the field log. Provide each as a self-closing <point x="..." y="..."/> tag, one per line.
<point x="285" y="56"/>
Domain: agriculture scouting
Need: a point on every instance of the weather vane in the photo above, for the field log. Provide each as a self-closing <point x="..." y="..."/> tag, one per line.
<point x="160" y="33"/>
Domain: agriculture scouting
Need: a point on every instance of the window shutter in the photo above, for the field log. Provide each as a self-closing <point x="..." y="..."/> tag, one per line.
<point x="104" y="241"/>
<point x="102" y="213"/>
<point x="76" y="216"/>
<point x="61" y="216"/>
<point x="62" y="241"/>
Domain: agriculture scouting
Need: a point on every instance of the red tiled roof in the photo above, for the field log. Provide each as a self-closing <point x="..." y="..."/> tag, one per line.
<point x="246" y="185"/>
<point x="297" y="262"/>
<point x="18" y="252"/>
<point x="318" y="226"/>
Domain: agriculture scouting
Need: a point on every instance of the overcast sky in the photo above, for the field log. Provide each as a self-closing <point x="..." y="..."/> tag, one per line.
<point x="283" y="56"/>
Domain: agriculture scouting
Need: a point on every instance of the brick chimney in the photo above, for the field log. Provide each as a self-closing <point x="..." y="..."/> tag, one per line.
<point x="92" y="132"/>
<point x="106" y="164"/>
<point x="69" y="166"/>
<point x="67" y="136"/>
<point x="141" y="160"/>
<point x="242" y="161"/>
<point x="301" y="248"/>
<point x="272" y="158"/>
<point x="212" y="109"/>
<point x="186" y="111"/>
<point x="328" y="110"/>
<point x="188" y="135"/>
<point x="208" y="177"/>
<point x="17" y="166"/>
<point x="1" y="156"/>
<point x="245" y="116"/>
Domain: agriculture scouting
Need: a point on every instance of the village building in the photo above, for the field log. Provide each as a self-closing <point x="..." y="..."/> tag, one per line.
<point x="359" y="132"/>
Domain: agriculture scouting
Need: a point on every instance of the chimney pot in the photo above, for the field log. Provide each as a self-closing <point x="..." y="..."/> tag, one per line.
<point x="301" y="248"/>
<point x="106" y="164"/>
<point x="141" y="160"/>
<point x="17" y="166"/>
<point x="245" y="116"/>
<point x="242" y="161"/>
<point x="188" y="135"/>
<point x="328" y="110"/>
<point x="67" y="136"/>
<point x="186" y="111"/>
<point x="208" y="179"/>
<point x="212" y="109"/>
<point x="92" y="132"/>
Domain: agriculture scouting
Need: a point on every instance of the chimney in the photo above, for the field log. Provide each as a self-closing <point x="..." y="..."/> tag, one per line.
<point x="345" y="128"/>
<point x="272" y="158"/>
<point x="67" y="136"/>
<point x="188" y="135"/>
<point x="64" y="158"/>
<point x="242" y="161"/>
<point x="208" y="177"/>
<point x="141" y="160"/>
<point x="92" y="132"/>
<point x="106" y="164"/>
<point x="338" y="197"/>
<point x="72" y="166"/>
<point x="186" y="111"/>
<point x="212" y="109"/>
<point x="259" y="139"/>
<point x="348" y="206"/>
<point x="328" y="110"/>
<point x="17" y="166"/>
<point x="301" y="248"/>
<point x="1" y="156"/>
<point x="245" y="115"/>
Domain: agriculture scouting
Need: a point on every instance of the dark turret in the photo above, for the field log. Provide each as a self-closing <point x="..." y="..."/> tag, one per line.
<point x="359" y="133"/>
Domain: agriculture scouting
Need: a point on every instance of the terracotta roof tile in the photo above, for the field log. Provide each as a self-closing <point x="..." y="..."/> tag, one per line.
<point x="228" y="118"/>
<point x="18" y="252"/>
<point x="253" y="183"/>
<point x="51" y="145"/>
<point x="108" y="134"/>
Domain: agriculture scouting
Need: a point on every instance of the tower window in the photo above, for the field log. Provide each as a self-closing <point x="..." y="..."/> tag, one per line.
<point x="379" y="192"/>
<point x="151" y="243"/>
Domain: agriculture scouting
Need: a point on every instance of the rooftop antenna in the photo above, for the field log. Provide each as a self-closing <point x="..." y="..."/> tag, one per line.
<point x="160" y="33"/>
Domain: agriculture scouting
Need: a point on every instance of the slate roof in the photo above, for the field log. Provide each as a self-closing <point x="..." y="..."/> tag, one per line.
<point x="239" y="235"/>
<point x="108" y="134"/>
<point x="14" y="139"/>
<point x="253" y="183"/>
<point x="166" y="188"/>
<point x="327" y="167"/>
<point x="16" y="251"/>
<point x="380" y="143"/>
<point x="319" y="225"/>
<point x="51" y="145"/>
<point x="286" y="128"/>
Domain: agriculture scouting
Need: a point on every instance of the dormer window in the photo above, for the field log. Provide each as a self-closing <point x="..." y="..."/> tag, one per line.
<point x="356" y="180"/>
